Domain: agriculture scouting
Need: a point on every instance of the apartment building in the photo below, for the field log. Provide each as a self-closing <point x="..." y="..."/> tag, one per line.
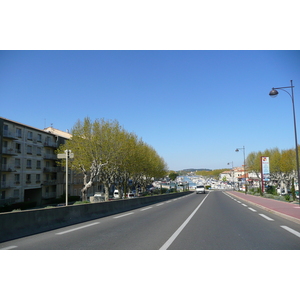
<point x="28" y="161"/>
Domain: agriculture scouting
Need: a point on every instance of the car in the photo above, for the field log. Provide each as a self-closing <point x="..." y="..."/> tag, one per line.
<point x="130" y="195"/>
<point x="200" y="189"/>
<point x="116" y="194"/>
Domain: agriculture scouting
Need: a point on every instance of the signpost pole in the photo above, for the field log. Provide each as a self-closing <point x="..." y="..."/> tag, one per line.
<point x="67" y="156"/>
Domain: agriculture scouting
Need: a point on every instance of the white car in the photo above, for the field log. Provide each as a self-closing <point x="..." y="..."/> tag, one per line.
<point x="200" y="189"/>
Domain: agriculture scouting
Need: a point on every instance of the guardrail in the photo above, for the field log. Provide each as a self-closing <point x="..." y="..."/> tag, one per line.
<point x="19" y="224"/>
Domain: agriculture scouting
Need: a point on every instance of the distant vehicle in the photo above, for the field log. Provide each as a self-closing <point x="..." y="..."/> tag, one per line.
<point x="116" y="194"/>
<point x="200" y="189"/>
<point x="130" y="195"/>
<point x="99" y="197"/>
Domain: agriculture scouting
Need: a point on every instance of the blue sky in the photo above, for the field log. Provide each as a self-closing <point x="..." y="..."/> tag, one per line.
<point x="194" y="107"/>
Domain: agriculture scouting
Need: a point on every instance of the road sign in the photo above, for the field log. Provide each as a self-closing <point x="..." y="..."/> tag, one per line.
<point x="63" y="155"/>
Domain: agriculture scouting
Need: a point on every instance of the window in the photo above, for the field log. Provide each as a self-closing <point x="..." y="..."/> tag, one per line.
<point x="38" y="151"/>
<point x="28" y="165"/>
<point x="28" y="178"/>
<point x="39" y="138"/>
<point x="19" y="132"/>
<point x="17" y="178"/>
<point x="18" y="148"/>
<point x="29" y="135"/>
<point x="29" y="149"/>
<point x="16" y="193"/>
<point x="17" y="163"/>
<point x="37" y="178"/>
<point x="38" y="164"/>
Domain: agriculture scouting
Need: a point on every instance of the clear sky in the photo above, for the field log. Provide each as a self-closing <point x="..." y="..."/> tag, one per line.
<point x="194" y="107"/>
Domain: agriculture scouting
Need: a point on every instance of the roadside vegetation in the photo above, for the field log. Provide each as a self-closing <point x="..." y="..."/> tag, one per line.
<point x="106" y="153"/>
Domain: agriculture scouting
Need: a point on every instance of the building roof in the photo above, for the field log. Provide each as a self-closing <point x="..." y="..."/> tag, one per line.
<point x="51" y="130"/>
<point x="58" y="132"/>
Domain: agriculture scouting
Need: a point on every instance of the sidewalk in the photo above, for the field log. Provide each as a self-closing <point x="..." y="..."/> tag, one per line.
<point x="286" y="210"/>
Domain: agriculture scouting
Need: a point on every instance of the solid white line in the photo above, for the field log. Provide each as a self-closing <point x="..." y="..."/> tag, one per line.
<point x="291" y="230"/>
<point x="123" y="215"/>
<point x="77" y="228"/>
<point x="146" y="208"/>
<point x="8" y="248"/>
<point x="266" y="217"/>
<point x="167" y="244"/>
<point x="252" y="209"/>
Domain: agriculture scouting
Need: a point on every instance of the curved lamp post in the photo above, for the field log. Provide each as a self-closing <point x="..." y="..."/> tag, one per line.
<point x="237" y="150"/>
<point x="273" y="94"/>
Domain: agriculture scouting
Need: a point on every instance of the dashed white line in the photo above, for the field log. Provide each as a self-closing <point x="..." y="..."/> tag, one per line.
<point x="291" y="230"/>
<point x="266" y="217"/>
<point x="77" y="228"/>
<point x="244" y="204"/>
<point x="167" y="244"/>
<point x="160" y="204"/>
<point x="123" y="215"/>
<point x="8" y="248"/>
<point x="146" y="208"/>
<point x="252" y="209"/>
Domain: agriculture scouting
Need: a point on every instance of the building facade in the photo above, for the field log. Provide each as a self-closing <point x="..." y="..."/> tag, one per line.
<point x="29" y="170"/>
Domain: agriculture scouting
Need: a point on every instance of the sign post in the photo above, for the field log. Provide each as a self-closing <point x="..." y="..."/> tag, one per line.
<point x="265" y="170"/>
<point x="68" y="154"/>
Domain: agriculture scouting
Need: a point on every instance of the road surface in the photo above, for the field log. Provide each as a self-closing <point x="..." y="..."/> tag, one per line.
<point x="211" y="221"/>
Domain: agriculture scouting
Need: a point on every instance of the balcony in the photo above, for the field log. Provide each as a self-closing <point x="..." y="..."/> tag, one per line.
<point x="8" y="168"/>
<point x="6" y="151"/>
<point x="50" y="156"/>
<point x="50" y="182"/>
<point x="50" y="144"/>
<point x="7" y="184"/>
<point x="50" y="169"/>
<point x="9" y="135"/>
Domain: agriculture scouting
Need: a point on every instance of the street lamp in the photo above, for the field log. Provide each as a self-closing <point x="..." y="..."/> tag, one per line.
<point x="232" y="181"/>
<point x="273" y="94"/>
<point x="237" y="150"/>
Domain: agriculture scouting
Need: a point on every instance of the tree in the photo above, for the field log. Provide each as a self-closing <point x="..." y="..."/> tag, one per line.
<point x="107" y="153"/>
<point x="173" y="176"/>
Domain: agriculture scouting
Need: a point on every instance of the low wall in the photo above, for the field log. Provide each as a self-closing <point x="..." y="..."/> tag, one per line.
<point x="19" y="224"/>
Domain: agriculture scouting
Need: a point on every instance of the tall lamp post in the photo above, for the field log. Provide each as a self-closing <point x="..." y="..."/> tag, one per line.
<point x="237" y="150"/>
<point x="232" y="181"/>
<point x="273" y="94"/>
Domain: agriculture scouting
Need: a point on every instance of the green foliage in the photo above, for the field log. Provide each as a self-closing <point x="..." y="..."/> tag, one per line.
<point x="106" y="152"/>
<point x="173" y="175"/>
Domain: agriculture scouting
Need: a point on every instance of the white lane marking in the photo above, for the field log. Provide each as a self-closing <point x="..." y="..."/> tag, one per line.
<point x="160" y="204"/>
<point x="167" y="244"/>
<point x="238" y="201"/>
<point x="266" y="217"/>
<point x="123" y="215"/>
<point x="291" y="230"/>
<point x="77" y="228"/>
<point x="252" y="209"/>
<point x="168" y="201"/>
<point x="146" y="208"/>
<point x="244" y="205"/>
<point x="8" y="248"/>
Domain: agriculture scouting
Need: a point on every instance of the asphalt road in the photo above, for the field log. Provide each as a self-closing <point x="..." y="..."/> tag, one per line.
<point x="213" y="221"/>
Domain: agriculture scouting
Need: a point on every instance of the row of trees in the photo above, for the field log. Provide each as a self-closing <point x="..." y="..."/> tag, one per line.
<point x="105" y="152"/>
<point x="282" y="165"/>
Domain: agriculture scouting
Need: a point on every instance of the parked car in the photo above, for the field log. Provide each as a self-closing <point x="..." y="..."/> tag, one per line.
<point x="200" y="189"/>
<point x="130" y="195"/>
<point x="116" y="194"/>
